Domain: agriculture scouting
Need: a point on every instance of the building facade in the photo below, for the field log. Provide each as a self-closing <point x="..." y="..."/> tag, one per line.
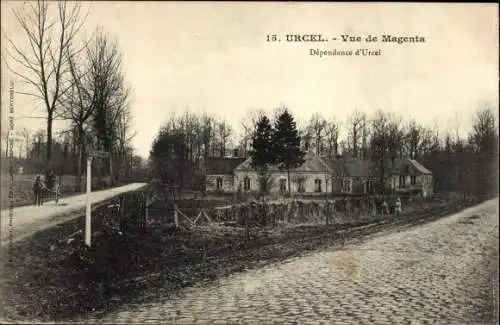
<point x="317" y="175"/>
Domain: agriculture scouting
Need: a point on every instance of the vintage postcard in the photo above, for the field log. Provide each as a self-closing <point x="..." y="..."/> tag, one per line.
<point x="249" y="162"/>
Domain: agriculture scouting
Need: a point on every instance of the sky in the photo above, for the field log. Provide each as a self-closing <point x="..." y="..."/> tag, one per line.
<point x="214" y="57"/>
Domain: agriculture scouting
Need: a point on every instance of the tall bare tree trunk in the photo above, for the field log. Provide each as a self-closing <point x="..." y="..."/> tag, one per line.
<point x="289" y="187"/>
<point x="81" y="150"/>
<point x="49" y="138"/>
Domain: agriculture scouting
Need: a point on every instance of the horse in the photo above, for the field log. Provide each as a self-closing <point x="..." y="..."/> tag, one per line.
<point x="38" y="189"/>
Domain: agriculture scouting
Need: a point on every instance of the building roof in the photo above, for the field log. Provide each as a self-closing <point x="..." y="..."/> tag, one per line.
<point x="409" y="167"/>
<point x="222" y="165"/>
<point x="420" y="167"/>
<point x="347" y="166"/>
<point x="312" y="163"/>
<point x="339" y="166"/>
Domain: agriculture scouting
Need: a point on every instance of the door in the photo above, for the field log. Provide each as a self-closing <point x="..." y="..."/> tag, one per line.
<point x="282" y="185"/>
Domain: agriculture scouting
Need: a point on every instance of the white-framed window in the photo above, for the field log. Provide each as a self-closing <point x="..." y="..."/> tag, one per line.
<point x="219" y="182"/>
<point x="246" y="183"/>
<point x="317" y="185"/>
<point x="301" y="185"/>
<point x="402" y="181"/>
<point x="347" y="185"/>
<point x="369" y="185"/>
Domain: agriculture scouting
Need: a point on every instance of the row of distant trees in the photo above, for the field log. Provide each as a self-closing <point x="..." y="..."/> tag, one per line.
<point x="465" y="164"/>
<point x="468" y="165"/>
<point x="76" y="79"/>
<point x="30" y="147"/>
<point x="183" y="142"/>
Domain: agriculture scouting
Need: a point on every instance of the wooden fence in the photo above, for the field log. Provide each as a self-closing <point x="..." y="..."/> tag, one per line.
<point x="263" y="213"/>
<point x="128" y="212"/>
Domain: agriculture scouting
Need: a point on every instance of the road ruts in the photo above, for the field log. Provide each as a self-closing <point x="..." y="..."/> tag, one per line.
<point x="444" y="272"/>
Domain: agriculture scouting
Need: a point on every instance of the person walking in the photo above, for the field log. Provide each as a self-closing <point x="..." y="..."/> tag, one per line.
<point x="398" y="205"/>
<point x="385" y="208"/>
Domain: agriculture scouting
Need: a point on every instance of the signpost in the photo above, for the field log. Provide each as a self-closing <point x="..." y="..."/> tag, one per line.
<point x="99" y="154"/>
<point x="87" y="211"/>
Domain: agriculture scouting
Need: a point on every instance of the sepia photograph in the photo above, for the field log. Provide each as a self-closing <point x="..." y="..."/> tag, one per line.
<point x="188" y="162"/>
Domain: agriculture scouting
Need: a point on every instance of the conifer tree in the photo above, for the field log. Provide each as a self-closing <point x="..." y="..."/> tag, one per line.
<point x="286" y="143"/>
<point x="262" y="153"/>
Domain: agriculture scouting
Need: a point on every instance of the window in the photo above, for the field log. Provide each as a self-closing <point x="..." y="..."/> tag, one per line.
<point x="347" y="185"/>
<point x="219" y="183"/>
<point x="246" y="183"/>
<point x="300" y="185"/>
<point x="317" y="185"/>
<point x="413" y="180"/>
<point x="402" y="180"/>
<point x="282" y="185"/>
<point x="369" y="186"/>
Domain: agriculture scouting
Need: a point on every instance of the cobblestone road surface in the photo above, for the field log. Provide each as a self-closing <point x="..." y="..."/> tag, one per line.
<point x="444" y="272"/>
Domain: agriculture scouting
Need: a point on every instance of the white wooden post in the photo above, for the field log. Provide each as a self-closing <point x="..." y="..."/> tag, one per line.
<point x="110" y="169"/>
<point x="176" y="216"/>
<point x="87" y="212"/>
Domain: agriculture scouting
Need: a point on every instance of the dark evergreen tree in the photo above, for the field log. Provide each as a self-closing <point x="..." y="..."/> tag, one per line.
<point x="262" y="144"/>
<point x="262" y="152"/>
<point x="286" y="142"/>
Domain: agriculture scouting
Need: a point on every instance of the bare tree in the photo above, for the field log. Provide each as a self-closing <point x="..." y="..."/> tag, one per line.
<point x="413" y="139"/>
<point x="108" y="96"/>
<point x="379" y="146"/>
<point x="484" y="139"/>
<point x="365" y="133"/>
<point x="395" y="137"/>
<point x="169" y="160"/>
<point x="124" y="137"/>
<point x="43" y="65"/>
<point x="207" y="133"/>
<point x="107" y="89"/>
<point x="317" y="126"/>
<point x="224" y="132"/>
<point x="355" y="123"/>
<point x="247" y="124"/>
<point x="332" y="137"/>
<point x="306" y="138"/>
<point x="78" y="107"/>
<point x="96" y="102"/>
<point x="484" y="130"/>
<point x="25" y="133"/>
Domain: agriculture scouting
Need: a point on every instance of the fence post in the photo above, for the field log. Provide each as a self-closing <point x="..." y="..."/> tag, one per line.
<point x="176" y="216"/>
<point x="327" y="212"/>
<point x="146" y="212"/>
<point x="248" y="215"/>
<point x="88" y="203"/>
<point x="121" y="210"/>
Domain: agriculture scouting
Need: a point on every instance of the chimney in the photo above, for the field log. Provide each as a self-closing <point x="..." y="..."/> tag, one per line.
<point x="235" y="153"/>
